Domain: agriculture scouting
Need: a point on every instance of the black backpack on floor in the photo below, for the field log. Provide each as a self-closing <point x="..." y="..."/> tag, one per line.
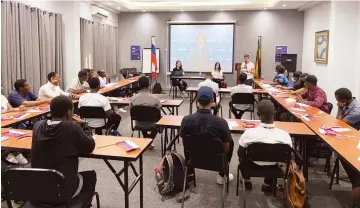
<point x="170" y="178"/>
<point x="157" y="89"/>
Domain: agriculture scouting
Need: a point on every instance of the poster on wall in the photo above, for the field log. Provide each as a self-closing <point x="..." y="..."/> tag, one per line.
<point x="278" y="51"/>
<point x="321" y="47"/>
<point x="135" y="52"/>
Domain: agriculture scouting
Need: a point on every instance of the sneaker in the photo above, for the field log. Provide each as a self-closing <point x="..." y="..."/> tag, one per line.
<point x="248" y="184"/>
<point x="121" y="110"/>
<point x="221" y="180"/>
<point x="152" y="146"/>
<point x="266" y="188"/>
<point x="11" y="159"/>
<point x="21" y="159"/>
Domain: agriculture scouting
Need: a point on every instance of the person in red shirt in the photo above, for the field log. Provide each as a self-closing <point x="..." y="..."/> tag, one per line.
<point x="314" y="96"/>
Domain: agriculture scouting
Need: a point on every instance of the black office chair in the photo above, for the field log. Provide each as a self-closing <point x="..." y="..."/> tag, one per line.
<point x="210" y="156"/>
<point x="87" y="112"/>
<point x="280" y="153"/>
<point x="144" y="114"/>
<point x="45" y="186"/>
<point x="245" y="99"/>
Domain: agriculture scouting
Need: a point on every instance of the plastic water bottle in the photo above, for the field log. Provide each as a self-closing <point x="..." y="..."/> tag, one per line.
<point x="200" y="74"/>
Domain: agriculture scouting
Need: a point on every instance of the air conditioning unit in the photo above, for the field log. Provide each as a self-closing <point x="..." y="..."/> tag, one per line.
<point x="100" y="15"/>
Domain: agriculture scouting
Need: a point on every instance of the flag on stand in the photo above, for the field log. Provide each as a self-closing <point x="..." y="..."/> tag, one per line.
<point x="154" y="66"/>
<point x="258" y="60"/>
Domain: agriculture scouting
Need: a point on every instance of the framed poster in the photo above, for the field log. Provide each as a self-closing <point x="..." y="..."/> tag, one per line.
<point x="135" y="52"/>
<point x="278" y="51"/>
<point x="321" y="50"/>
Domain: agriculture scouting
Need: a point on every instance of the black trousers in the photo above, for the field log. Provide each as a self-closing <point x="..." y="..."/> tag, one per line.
<point x="112" y="123"/>
<point x="237" y="113"/>
<point x="182" y="85"/>
<point x="152" y="135"/>
<point x="246" y="164"/>
<point x="353" y="174"/>
<point x="229" y="155"/>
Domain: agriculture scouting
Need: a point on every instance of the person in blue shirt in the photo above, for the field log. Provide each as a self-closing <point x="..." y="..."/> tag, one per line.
<point x="280" y="77"/>
<point x="22" y="95"/>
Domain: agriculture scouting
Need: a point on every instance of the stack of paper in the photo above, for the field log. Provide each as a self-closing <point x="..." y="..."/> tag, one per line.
<point x="232" y="124"/>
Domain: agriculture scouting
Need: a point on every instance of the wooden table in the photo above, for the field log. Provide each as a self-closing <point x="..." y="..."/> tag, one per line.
<point x="188" y="77"/>
<point x="174" y="122"/>
<point x="346" y="148"/>
<point x="171" y="105"/>
<point x="192" y="92"/>
<point x="112" y="152"/>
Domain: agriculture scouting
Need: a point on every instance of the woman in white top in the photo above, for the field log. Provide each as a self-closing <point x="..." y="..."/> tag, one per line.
<point x="217" y="73"/>
<point x="248" y="67"/>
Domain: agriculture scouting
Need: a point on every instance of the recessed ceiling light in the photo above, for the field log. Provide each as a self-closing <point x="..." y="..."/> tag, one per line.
<point x="118" y="7"/>
<point x="144" y="10"/>
<point x="284" y="5"/>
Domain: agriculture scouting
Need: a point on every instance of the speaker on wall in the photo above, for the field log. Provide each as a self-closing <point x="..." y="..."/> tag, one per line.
<point x="289" y="62"/>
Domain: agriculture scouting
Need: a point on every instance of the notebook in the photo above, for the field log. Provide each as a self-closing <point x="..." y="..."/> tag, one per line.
<point x="128" y="145"/>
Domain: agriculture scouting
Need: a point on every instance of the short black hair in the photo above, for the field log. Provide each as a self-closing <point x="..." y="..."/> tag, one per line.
<point x="311" y="79"/>
<point x="303" y="75"/>
<point x="143" y="82"/>
<point x="19" y="83"/>
<point x="51" y="75"/>
<point x="242" y="77"/>
<point x="60" y="105"/>
<point x="266" y="109"/>
<point x="280" y="69"/>
<point x="82" y="73"/>
<point x="246" y="55"/>
<point x="87" y="70"/>
<point x="94" y="82"/>
<point x="343" y="94"/>
<point x="101" y="71"/>
<point x="204" y="101"/>
<point x="297" y="74"/>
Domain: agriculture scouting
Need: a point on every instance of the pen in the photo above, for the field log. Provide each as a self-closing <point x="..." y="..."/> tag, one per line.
<point x="106" y="145"/>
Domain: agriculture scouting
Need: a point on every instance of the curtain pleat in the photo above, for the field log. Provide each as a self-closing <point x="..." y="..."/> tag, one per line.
<point x="31" y="44"/>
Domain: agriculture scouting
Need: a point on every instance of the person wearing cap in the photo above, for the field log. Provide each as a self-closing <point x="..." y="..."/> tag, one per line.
<point x="204" y="124"/>
<point x="248" y="67"/>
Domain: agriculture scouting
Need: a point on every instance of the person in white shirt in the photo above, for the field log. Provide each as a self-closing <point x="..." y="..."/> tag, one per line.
<point x="94" y="99"/>
<point x="213" y="85"/>
<point x="79" y="84"/>
<point x="104" y="79"/>
<point x="217" y="73"/>
<point x="266" y="133"/>
<point x="239" y="109"/>
<point x="52" y="88"/>
<point x="248" y="67"/>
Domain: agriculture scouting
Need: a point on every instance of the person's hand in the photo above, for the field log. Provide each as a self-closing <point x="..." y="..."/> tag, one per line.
<point x="55" y="82"/>
<point x="299" y="99"/>
<point x="22" y="108"/>
<point x="15" y="110"/>
<point x="341" y="104"/>
<point x="72" y="96"/>
<point x="77" y="119"/>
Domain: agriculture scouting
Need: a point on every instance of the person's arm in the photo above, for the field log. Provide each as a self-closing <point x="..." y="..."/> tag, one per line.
<point x="252" y="70"/>
<point x="352" y="118"/>
<point x="340" y="113"/>
<point x="227" y="136"/>
<point x="319" y="99"/>
<point x="107" y="108"/>
<point x="158" y="103"/>
<point x="243" y="144"/>
<point x="35" y="103"/>
<point x="64" y="93"/>
<point x="84" y="140"/>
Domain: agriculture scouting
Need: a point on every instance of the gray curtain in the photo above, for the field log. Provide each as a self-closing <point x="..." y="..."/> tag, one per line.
<point x="31" y="44"/>
<point x="98" y="46"/>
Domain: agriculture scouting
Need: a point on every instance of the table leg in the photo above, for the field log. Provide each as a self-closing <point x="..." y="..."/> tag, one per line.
<point x="141" y="182"/>
<point x="305" y="160"/>
<point x="190" y="107"/>
<point x="177" y="110"/>
<point x="126" y="183"/>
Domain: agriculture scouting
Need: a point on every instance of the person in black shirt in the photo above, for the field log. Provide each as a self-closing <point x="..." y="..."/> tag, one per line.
<point x="182" y="85"/>
<point x="203" y="122"/>
<point x="58" y="144"/>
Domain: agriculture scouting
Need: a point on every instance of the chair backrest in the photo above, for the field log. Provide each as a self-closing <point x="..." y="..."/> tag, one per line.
<point x="330" y="106"/>
<point x="269" y="152"/>
<point x="35" y="185"/>
<point x="92" y="112"/>
<point x="243" y="98"/>
<point x="145" y="113"/>
<point x="205" y="153"/>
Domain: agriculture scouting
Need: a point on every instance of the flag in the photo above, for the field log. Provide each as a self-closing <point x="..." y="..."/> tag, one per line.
<point x="258" y="60"/>
<point x="154" y="66"/>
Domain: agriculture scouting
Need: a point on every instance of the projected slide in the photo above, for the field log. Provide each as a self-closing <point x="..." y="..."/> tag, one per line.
<point x="199" y="47"/>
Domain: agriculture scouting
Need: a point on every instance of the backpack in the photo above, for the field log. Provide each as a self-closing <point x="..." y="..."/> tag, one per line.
<point x="157" y="89"/>
<point x="170" y="176"/>
<point x="296" y="186"/>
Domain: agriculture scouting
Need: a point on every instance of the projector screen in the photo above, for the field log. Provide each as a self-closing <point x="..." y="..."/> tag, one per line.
<point x="200" y="46"/>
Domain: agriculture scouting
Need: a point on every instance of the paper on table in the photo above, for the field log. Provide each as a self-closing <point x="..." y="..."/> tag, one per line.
<point x="232" y="124"/>
<point x="338" y="130"/>
<point x="290" y="100"/>
<point x="302" y="105"/>
<point x="322" y="131"/>
<point x="245" y="120"/>
<point x="359" y="158"/>
<point x="273" y="90"/>
<point x="265" y="85"/>
<point x="162" y="101"/>
<point x="358" y="145"/>
<point x="34" y="111"/>
<point x="16" y="132"/>
<point x="4" y="138"/>
<point x="298" y="109"/>
<point x="23" y="116"/>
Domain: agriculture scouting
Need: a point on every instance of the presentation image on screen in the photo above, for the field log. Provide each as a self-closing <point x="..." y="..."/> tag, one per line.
<point x="199" y="47"/>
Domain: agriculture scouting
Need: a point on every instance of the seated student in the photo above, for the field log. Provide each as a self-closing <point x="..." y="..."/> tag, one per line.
<point x="52" y="88"/>
<point x="238" y="109"/>
<point x="22" y="95"/>
<point x="213" y="85"/>
<point x="58" y="144"/>
<point x="204" y="123"/>
<point x="94" y="99"/>
<point x="265" y="133"/>
<point x="217" y="73"/>
<point x="296" y="82"/>
<point x="145" y="98"/>
<point x="280" y="77"/>
<point x="7" y="108"/>
<point x="182" y="85"/>
<point x="300" y="89"/>
<point x="104" y="79"/>
<point x="314" y="96"/>
<point x="79" y="84"/>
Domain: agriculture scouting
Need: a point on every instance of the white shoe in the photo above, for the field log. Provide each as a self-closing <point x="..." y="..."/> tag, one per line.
<point x="122" y="110"/>
<point x="221" y="180"/>
<point x="11" y="158"/>
<point x="21" y="159"/>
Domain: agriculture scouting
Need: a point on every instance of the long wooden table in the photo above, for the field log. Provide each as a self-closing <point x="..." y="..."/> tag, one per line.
<point x="192" y="92"/>
<point x="43" y="109"/>
<point x="347" y="148"/>
<point x="112" y="152"/>
<point x="236" y="126"/>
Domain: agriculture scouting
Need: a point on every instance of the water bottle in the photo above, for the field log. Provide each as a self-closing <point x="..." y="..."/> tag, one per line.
<point x="158" y="178"/>
<point x="262" y="78"/>
<point x="199" y="74"/>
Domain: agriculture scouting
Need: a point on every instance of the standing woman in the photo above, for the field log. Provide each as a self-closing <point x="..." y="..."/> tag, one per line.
<point x="182" y="85"/>
<point x="248" y="68"/>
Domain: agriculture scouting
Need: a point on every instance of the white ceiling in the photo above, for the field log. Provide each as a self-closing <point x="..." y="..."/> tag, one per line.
<point x="198" y="5"/>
